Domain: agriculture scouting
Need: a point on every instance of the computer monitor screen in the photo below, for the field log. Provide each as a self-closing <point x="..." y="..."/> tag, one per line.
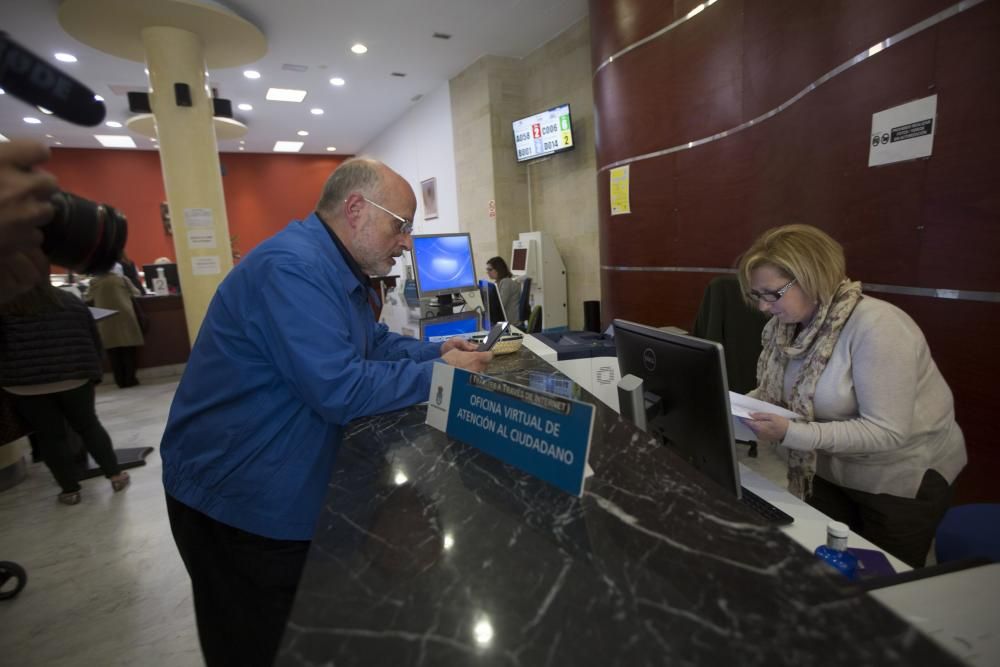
<point x="494" y="309"/>
<point x="149" y="272"/>
<point x="519" y="260"/>
<point x="443" y="264"/>
<point x="440" y="329"/>
<point x="687" y="396"/>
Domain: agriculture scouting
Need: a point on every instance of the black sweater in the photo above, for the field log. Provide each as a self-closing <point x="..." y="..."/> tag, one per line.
<point x="61" y="344"/>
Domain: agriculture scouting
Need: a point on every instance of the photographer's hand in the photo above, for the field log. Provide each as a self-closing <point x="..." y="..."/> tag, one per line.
<point x="24" y="208"/>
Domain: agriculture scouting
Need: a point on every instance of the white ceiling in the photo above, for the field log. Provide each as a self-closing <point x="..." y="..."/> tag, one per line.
<point x="317" y="34"/>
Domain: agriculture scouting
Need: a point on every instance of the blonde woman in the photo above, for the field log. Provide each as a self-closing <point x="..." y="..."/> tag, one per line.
<point x="877" y="446"/>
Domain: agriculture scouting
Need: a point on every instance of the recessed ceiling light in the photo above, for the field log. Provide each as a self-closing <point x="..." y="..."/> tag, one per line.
<point x="98" y="98"/>
<point x="302" y="133"/>
<point x="316" y="112"/>
<point x="3" y="138"/>
<point x="31" y="121"/>
<point x="113" y="123"/>
<point x="245" y="107"/>
<point x="2" y="91"/>
<point x="58" y="143"/>
<point x="359" y="48"/>
<point x="331" y="148"/>
<point x="337" y="81"/>
<point x="285" y="95"/>
<point x="49" y="136"/>
<point x="44" y="111"/>
<point x="146" y="70"/>
<point x="287" y="146"/>
<point x="241" y="148"/>
<point x="115" y="141"/>
<point x="66" y="57"/>
<point x="242" y="141"/>
<point x="251" y="74"/>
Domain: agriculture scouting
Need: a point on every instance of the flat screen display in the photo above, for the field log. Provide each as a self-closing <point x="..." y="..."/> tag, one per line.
<point x="443" y="264"/>
<point x="440" y="329"/>
<point x="543" y="133"/>
<point x="519" y="262"/>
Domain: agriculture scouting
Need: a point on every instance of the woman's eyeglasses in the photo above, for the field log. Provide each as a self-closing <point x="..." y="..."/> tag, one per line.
<point x="769" y="296"/>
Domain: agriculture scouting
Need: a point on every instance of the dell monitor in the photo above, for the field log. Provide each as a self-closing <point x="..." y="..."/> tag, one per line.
<point x="443" y="266"/>
<point x="440" y="329"/>
<point x="684" y="402"/>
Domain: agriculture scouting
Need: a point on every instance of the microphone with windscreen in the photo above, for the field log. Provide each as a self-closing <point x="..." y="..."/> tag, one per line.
<point x="29" y="78"/>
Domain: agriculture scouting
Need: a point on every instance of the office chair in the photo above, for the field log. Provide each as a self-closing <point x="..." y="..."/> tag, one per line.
<point x="969" y="531"/>
<point x="523" y="307"/>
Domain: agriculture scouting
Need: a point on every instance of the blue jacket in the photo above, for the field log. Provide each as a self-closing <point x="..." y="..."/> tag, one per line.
<point x="289" y="352"/>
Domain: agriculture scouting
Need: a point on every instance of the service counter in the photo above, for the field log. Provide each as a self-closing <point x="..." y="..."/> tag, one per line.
<point x="430" y="552"/>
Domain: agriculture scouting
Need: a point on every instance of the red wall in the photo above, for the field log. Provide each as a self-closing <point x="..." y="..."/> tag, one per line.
<point x="929" y="223"/>
<point x="263" y="192"/>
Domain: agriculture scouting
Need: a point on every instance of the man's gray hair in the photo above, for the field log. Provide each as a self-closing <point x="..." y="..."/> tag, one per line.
<point x="356" y="175"/>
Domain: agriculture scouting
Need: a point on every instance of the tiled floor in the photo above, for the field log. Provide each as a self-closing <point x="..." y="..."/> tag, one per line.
<point x="105" y="583"/>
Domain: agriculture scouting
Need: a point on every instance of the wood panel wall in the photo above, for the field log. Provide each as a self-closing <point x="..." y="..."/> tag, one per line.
<point x="930" y="223"/>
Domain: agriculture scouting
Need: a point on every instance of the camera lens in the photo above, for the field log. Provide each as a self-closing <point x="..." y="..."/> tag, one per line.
<point x="84" y="236"/>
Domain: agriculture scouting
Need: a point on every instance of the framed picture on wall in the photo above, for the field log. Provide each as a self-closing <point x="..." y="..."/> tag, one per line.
<point x="165" y="217"/>
<point x="429" y="190"/>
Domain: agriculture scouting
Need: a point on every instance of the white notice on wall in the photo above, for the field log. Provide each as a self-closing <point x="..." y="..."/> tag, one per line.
<point x="201" y="238"/>
<point x="902" y="133"/>
<point x="205" y="266"/>
<point x="198" y="217"/>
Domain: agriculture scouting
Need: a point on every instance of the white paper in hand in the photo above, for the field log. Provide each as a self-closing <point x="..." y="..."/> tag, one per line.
<point x="742" y="406"/>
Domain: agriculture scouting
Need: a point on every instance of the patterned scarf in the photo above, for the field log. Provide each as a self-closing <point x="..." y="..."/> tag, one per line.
<point x="814" y="345"/>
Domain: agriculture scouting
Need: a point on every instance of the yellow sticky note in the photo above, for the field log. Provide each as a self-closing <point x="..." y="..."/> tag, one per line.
<point x="619" y="191"/>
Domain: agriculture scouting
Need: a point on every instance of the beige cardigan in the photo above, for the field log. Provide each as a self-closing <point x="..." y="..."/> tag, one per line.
<point x="884" y="414"/>
<point x="115" y="292"/>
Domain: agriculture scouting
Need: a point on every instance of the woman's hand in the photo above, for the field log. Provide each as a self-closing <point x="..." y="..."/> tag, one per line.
<point x="458" y="343"/>
<point x="766" y="426"/>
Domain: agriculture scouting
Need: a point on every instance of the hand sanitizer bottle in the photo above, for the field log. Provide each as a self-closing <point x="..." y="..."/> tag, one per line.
<point x="160" y="282"/>
<point x="835" y="552"/>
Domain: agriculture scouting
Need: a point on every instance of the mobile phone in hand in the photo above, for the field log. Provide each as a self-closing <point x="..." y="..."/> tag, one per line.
<point x="498" y="330"/>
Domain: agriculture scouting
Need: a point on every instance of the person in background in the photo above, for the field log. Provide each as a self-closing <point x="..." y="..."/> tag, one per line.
<point x="121" y="333"/>
<point x="129" y="271"/>
<point x="289" y="353"/>
<point x="50" y="358"/>
<point x="25" y="206"/>
<point x="877" y="446"/>
<point x="508" y="289"/>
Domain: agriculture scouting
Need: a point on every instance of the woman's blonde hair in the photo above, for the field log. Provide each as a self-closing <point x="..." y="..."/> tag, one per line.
<point x="802" y="252"/>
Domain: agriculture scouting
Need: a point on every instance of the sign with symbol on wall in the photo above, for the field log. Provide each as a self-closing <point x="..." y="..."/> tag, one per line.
<point x="903" y="133"/>
<point x="491" y="208"/>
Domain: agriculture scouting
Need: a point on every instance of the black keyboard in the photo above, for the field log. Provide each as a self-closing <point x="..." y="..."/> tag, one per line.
<point x="769" y="512"/>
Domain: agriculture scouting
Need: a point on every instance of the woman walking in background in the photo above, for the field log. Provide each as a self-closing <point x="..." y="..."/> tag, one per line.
<point x="121" y="333"/>
<point x="50" y="358"/>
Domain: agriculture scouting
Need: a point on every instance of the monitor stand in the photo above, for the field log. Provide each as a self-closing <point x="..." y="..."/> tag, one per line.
<point x="445" y="304"/>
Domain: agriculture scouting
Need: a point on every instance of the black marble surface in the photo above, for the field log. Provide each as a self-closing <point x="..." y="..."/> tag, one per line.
<point x="429" y="552"/>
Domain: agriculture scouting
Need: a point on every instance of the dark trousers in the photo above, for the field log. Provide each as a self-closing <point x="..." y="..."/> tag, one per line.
<point x="243" y="585"/>
<point x="902" y="526"/>
<point x="123" y="365"/>
<point x="48" y="414"/>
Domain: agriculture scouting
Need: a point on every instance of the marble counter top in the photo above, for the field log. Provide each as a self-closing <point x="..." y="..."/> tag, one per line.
<point x="429" y="552"/>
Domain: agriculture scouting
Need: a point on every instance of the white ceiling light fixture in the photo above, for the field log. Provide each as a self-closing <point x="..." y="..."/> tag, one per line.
<point x="115" y="141"/>
<point x="285" y="95"/>
<point x="316" y="112"/>
<point x="44" y="111"/>
<point x="98" y="98"/>
<point x="113" y="123"/>
<point x="241" y="148"/>
<point x="359" y="48"/>
<point x="30" y="120"/>
<point x="65" y="57"/>
<point x="245" y="107"/>
<point x="302" y="133"/>
<point x="337" y="81"/>
<point x="2" y="91"/>
<point x="251" y="74"/>
<point x="331" y="148"/>
<point x="3" y="138"/>
<point x="287" y="146"/>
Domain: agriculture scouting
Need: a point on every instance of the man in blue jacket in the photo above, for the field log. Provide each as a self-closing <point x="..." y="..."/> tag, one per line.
<point x="288" y="354"/>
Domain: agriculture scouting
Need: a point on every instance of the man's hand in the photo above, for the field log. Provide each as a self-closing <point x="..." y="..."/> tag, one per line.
<point x="470" y="361"/>
<point x="24" y="207"/>
<point x="458" y="343"/>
